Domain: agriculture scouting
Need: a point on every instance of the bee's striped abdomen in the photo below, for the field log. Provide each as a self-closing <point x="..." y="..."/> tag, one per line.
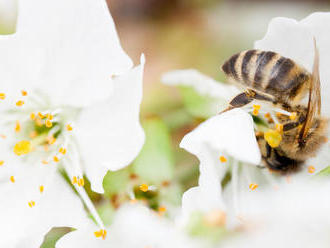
<point x="268" y="72"/>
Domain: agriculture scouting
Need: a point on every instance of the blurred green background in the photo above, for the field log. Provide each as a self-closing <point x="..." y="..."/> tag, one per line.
<point x="174" y="34"/>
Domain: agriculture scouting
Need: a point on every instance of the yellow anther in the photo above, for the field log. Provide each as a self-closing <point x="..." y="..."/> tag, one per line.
<point x="222" y="159"/>
<point x="255" y="112"/>
<point x="162" y="210"/>
<point x="49" y="116"/>
<point x="46" y="147"/>
<point x="267" y="115"/>
<point x="48" y="123"/>
<point x="24" y="92"/>
<point x="44" y="162"/>
<point x="253" y="186"/>
<point x="17" y="127"/>
<point x="256" y="106"/>
<point x="19" y="103"/>
<point x="273" y="137"/>
<point x="144" y="187"/>
<point x="51" y="139"/>
<point x="33" y="116"/>
<point x="101" y="234"/>
<point x="311" y="169"/>
<point x="56" y="159"/>
<point x="69" y="127"/>
<point x="215" y="218"/>
<point x="81" y="182"/>
<point x="279" y="127"/>
<point x="40" y="115"/>
<point x="23" y="147"/>
<point x="33" y="134"/>
<point x="293" y="116"/>
<point x="41" y="188"/>
<point x="2" y="96"/>
<point x="12" y="179"/>
<point x="2" y="162"/>
<point x="31" y="204"/>
<point x="62" y="150"/>
<point x="39" y="122"/>
<point x="74" y="180"/>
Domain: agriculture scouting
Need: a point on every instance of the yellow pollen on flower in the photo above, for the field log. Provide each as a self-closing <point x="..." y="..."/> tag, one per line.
<point x="69" y="127"/>
<point x="17" y="127"/>
<point x="311" y="169"/>
<point x="2" y="96"/>
<point x="273" y="138"/>
<point x="222" y="159"/>
<point x="267" y="115"/>
<point x="62" y="150"/>
<point x="293" y="116"/>
<point x="41" y="188"/>
<point x="31" y="204"/>
<point x="33" y="116"/>
<point x="19" y="103"/>
<point x="2" y="162"/>
<point x="12" y="179"/>
<point x="48" y="123"/>
<point x="253" y="186"/>
<point x="101" y="234"/>
<point x="255" y="112"/>
<point x="144" y="187"/>
<point x="44" y="162"/>
<point x="23" y="147"/>
<point x="279" y="127"/>
<point x="56" y="159"/>
<point x="256" y="106"/>
<point x="24" y="92"/>
<point x="81" y="182"/>
<point x="74" y="180"/>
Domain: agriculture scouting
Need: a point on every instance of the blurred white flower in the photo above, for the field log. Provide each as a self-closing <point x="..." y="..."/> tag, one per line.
<point x="133" y="226"/>
<point x="297" y="216"/>
<point x="68" y="97"/>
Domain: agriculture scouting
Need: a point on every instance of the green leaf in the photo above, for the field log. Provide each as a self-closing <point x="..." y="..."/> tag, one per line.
<point x="116" y="181"/>
<point x="198" y="105"/>
<point x="155" y="163"/>
<point x="324" y="173"/>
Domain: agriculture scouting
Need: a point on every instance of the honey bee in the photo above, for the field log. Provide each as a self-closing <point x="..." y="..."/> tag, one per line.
<point x="268" y="76"/>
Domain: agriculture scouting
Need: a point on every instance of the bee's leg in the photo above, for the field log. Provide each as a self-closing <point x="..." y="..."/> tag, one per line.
<point x="245" y="98"/>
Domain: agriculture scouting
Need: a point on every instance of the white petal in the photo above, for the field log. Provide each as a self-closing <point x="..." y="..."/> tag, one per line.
<point x="201" y="83"/>
<point x="66" y="49"/>
<point x="231" y="132"/>
<point x="56" y="206"/>
<point x="109" y="133"/>
<point x="197" y="200"/>
<point x="133" y="226"/>
<point x="295" y="40"/>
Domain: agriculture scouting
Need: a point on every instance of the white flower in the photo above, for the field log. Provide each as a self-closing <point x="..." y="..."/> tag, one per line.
<point x="133" y="226"/>
<point x="221" y="144"/>
<point x="34" y="199"/>
<point x="297" y="216"/>
<point x="69" y="97"/>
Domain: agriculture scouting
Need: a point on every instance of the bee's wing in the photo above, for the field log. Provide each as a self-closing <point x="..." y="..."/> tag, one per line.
<point x="314" y="102"/>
